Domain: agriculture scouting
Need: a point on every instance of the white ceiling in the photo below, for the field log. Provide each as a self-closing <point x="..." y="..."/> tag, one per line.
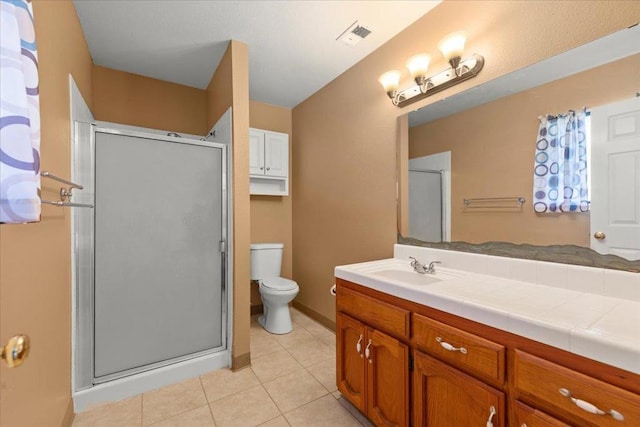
<point x="293" y="50"/>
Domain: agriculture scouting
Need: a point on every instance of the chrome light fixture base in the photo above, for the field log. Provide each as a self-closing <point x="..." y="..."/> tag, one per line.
<point x="466" y="69"/>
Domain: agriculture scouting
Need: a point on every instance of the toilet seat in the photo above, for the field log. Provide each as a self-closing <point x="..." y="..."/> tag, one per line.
<point x="278" y="284"/>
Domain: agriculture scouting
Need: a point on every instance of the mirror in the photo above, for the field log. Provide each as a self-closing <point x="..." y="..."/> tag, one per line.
<point x="473" y="153"/>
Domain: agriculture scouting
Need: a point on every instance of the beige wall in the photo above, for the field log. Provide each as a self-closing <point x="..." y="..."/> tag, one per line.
<point x="136" y="100"/>
<point x="493" y="147"/>
<point x="344" y="164"/>
<point x="35" y="264"/>
<point x="271" y="215"/>
<point x="229" y="87"/>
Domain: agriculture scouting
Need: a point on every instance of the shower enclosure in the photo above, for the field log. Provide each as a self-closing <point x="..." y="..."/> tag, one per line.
<point x="426" y="205"/>
<point x="150" y="257"/>
<point x="429" y="191"/>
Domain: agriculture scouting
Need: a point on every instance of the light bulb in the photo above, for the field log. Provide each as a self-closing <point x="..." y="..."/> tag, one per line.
<point x="418" y="66"/>
<point x="390" y="82"/>
<point x="452" y="47"/>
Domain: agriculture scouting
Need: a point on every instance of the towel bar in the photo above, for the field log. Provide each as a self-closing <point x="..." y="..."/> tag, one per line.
<point x="65" y="194"/>
<point x="489" y="202"/>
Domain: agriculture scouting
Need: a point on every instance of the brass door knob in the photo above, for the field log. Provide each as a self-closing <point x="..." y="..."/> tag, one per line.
<point x="599" y="235"/>
<point x="16" y="351"/>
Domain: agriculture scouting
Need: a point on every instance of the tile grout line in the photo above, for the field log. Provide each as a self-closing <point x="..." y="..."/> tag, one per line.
<point x="328" y="392"/>
<point x="272" y="401"/>
<point x="213" y="418"/>
<point x="187" y="410"/>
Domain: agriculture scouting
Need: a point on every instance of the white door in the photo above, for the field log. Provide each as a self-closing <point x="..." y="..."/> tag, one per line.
<point x="256" y="152"/>
<point x="276" y="154"/>
<point x="615" y="177"/>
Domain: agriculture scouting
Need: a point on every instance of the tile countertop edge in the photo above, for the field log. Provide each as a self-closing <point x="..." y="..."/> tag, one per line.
<point x="603" y="347"/>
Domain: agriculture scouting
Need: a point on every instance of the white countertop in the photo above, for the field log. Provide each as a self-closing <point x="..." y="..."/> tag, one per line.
<point x="602" y="328"/>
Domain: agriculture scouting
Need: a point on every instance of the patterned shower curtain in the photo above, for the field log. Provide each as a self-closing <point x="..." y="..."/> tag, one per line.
<point x="560" y="169"/>
<point x="19" y="115"/>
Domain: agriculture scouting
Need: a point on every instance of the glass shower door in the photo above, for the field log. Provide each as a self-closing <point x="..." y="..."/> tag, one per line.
<point x="425" y="205"/>
<point x="158" y="279"/>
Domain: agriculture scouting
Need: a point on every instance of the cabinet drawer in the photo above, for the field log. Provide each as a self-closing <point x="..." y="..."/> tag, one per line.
<point x="381" y="315"/>
<point x="541" y="381"/>
<point x="526" y="416"/>
<point x="469" y="352"/>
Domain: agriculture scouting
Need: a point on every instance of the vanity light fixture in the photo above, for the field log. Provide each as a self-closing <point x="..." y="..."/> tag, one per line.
<point x="460" y="70"/>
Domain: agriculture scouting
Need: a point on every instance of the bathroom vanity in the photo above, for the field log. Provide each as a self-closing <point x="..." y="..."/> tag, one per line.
<point x="468" y="348"/>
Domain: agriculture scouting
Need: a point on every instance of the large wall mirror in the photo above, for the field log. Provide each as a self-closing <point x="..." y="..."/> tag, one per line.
<point x="466" y="163"/>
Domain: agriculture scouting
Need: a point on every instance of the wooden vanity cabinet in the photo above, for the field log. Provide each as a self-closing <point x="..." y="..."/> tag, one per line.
<point x="520" y="378"/>
<point x="444" y="396"/>
<point x="373" y="371"/>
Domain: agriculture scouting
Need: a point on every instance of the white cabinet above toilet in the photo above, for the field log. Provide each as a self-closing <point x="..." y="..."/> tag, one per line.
<point x="269" y="162"/>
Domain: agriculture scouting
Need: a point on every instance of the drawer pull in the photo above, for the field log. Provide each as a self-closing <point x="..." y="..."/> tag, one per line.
<point x="589" y="407"/>
<point x="359" y="346"/>
<point x="449" y="347"/>
<point x="492" y="412"/>
<point x="367" y="352"/>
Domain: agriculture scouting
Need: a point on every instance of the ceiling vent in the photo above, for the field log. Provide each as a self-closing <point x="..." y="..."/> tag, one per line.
<point x="354" y="34"/>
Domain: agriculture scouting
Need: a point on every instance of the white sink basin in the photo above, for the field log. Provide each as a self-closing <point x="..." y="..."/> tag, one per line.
<point x="409" y="277"/>
<point x="394" y="272"/>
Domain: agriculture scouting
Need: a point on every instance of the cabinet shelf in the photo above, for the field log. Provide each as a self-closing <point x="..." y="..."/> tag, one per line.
<point x="268" y="186"/>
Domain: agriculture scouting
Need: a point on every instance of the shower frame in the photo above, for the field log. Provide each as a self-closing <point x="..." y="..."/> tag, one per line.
<point x="83" y="263"/>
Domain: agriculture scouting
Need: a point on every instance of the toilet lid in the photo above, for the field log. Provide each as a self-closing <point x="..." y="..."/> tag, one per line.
<point x="279" y="283"/>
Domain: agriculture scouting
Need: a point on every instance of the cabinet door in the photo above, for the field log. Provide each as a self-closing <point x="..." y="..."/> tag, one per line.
<point x="350" y="337"/>
<point x="446" y="397"/>
<point x="387" y="380"/>
<point x="256" y="152"/>
<point x="276" y="154"/>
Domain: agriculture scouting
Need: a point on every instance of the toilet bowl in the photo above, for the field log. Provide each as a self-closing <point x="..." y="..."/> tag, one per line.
<point x="276" y="292"/>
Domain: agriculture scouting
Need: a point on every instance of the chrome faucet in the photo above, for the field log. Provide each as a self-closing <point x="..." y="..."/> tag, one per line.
<point x="418" y="267"/>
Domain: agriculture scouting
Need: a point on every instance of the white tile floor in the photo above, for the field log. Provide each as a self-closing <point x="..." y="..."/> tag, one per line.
<point x="291" y="382"/>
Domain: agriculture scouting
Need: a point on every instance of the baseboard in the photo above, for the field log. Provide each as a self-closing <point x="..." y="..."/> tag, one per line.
<point x="325" y="321"/>
<point x="257" y="309"/>
<point x="239" y="362"/>
<point x="67" y="421"/>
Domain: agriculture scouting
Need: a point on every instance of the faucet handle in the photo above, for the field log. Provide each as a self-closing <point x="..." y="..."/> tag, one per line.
<point x="413" y="261"/>
<point x="432" y="269"/>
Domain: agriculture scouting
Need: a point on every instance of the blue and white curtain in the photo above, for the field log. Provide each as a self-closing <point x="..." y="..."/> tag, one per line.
<point x="560" y="171"/>
<point x="19" y="115"/>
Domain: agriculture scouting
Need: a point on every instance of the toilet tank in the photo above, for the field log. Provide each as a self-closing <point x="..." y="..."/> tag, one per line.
<point x="266" y="260"/>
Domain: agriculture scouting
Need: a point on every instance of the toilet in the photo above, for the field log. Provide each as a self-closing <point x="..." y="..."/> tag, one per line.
<point x="276" y="292"/>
